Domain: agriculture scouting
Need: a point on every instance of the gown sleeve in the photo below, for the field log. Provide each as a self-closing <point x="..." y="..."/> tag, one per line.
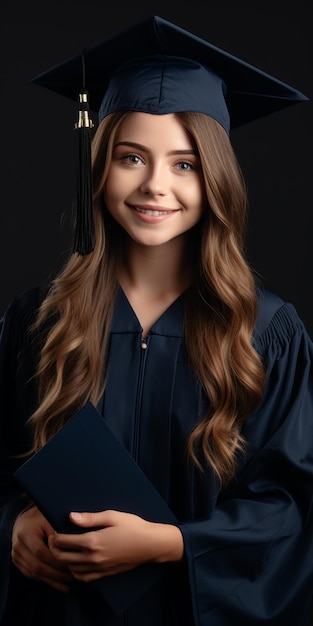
<point x="16" y="404"/>
<point x="251" y="562"/>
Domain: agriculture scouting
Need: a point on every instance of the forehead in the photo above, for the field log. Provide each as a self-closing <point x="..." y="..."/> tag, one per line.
<point x="148" y="129"/>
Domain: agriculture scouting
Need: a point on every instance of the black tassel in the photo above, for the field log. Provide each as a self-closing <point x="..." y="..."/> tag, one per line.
<point x="84" y="234"/>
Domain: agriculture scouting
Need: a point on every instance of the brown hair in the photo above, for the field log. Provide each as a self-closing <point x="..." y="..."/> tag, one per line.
<point x="220" y="309"/>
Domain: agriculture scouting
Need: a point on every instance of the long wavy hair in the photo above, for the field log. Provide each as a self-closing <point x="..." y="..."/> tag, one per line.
<point x="220" y="309"/>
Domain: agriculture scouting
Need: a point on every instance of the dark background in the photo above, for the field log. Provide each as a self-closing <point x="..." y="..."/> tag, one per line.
<point x="38" y="156"/>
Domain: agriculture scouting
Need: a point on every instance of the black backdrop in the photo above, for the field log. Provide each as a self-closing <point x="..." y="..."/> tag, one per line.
<point x="38" y="159"/>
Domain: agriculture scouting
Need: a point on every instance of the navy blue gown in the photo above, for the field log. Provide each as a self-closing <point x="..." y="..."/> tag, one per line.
<point x="249" y="549"/>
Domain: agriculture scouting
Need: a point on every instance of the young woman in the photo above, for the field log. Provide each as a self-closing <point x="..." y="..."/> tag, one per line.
<point x="204" y="376"/>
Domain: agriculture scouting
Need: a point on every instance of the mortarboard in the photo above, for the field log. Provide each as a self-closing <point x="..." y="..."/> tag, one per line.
<point x="155" y="66"/>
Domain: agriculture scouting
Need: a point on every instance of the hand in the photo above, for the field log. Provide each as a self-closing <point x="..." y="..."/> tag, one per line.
<point x="124" y="542"/>
<point x="31" y="554"/>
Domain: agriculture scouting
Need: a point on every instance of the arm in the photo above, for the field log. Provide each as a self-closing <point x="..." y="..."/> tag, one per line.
<point x="17" y="401"/>
<point x="252" y="560"/>
<point x="125" y="542"/>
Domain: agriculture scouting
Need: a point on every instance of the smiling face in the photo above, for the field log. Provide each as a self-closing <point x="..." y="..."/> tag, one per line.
<point x="155" y="187"/>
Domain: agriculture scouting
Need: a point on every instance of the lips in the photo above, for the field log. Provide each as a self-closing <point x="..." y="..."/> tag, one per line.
<point x="153" y="211"/>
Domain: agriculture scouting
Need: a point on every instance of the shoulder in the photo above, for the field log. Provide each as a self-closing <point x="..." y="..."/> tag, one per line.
<point x="277" y="320"/>
<point x="21" y="313"/>
<point x="268" y="305"/>
<point x="26" y="303"/>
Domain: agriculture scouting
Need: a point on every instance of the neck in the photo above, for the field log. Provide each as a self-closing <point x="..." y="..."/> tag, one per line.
<point x="156" y="270"/>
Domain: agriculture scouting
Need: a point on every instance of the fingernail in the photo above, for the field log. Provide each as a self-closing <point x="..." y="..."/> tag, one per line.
<point x="76" y="516"/>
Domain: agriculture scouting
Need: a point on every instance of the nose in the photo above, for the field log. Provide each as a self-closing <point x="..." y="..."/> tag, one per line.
<point x="156" y="180"/>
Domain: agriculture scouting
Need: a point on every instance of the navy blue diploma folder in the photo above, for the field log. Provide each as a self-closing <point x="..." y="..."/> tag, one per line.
<point x="84" y="467"/>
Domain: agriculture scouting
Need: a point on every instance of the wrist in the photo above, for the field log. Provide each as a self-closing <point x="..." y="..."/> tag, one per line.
<point x="168" y="543"/>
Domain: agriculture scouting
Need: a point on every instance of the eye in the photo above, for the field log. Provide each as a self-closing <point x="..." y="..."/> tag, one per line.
<point x="131" y="159"/>
<point x="185" y="166"/>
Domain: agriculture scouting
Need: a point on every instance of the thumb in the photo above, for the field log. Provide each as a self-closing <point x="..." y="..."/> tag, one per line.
<point x="89" y="520"/>
<point x="83" y="519"/>
<point x="77" y="518"/>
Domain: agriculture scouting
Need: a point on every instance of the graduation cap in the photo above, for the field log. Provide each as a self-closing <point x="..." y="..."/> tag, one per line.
<point x="155" y="66"/>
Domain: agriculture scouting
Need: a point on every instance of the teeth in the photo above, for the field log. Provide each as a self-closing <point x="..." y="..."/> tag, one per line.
<point x="154" y="213"/>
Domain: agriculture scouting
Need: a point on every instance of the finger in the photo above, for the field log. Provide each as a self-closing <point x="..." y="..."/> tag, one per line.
<point x="97" y="520"/>
<point x="94" y="520"/>
<point x="38" y="571"/>
<point x="31" y="546"/>
<point x="37" y="553"/>
<point x="63" y="546"/>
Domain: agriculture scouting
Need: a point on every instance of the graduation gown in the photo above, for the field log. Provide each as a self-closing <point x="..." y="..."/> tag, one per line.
<point x="248" y="549"/>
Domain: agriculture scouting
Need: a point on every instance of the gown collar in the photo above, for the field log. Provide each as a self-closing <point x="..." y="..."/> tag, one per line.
<point x="169" y="324"/>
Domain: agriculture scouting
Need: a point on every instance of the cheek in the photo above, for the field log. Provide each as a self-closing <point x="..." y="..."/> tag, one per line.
<point x="118" y="186"/>
<point x="196" y="198"/>
<point x="111" y="191"/>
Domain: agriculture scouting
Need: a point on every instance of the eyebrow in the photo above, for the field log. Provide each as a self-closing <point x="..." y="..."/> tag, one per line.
<point x="139" y="146"/>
